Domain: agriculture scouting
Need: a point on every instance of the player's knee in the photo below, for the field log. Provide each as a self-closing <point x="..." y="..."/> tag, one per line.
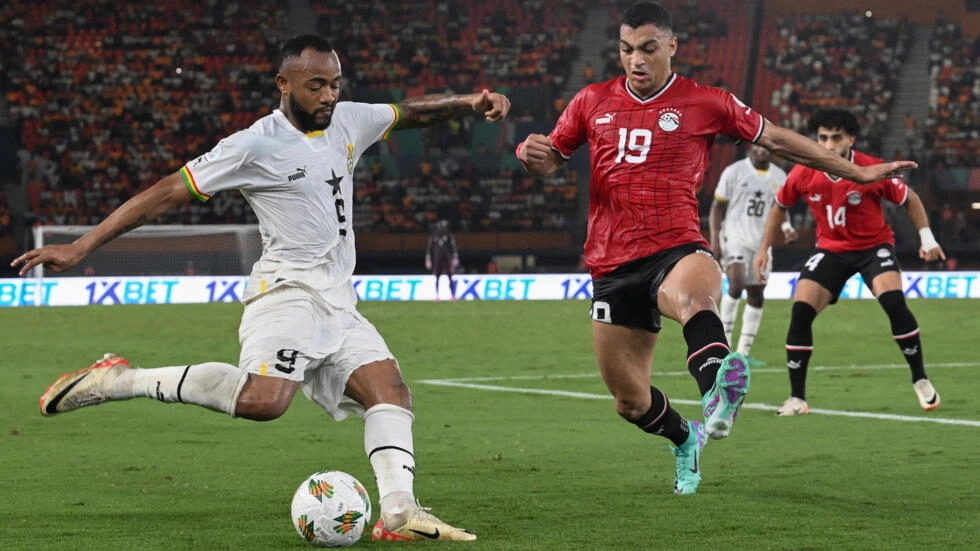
<point x="689" y="305"/>
<point x="400" y="395"/>
<point x="735" y="287"/>
<point x="801" y="324"/>
<point x="630" y="409"/>
<point x="901" y="318"/>
<point x="261" y="409"/>
<point x="802" y="314"/>
<point x="265" y="398"/>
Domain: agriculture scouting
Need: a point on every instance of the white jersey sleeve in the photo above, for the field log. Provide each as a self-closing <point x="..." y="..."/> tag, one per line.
<point x="723" y="189"/>
<point x="229" y="165"/>
<point x="372" y="122"/>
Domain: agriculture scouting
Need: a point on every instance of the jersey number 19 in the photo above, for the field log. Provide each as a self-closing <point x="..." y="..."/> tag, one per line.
<point x="639" y="145"/>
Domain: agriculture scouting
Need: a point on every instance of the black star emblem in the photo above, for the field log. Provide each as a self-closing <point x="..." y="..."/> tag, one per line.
<point x="758" y="194"/>
<point x="335" y="182"/>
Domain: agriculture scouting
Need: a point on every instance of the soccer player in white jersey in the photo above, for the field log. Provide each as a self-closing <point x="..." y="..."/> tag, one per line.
<point x="300" y="327"/>
<point x="742" y="200"/>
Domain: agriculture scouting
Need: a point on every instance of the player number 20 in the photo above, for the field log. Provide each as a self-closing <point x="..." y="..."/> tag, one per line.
<point x="757" y="207"/>
<point x="637" y="141"/>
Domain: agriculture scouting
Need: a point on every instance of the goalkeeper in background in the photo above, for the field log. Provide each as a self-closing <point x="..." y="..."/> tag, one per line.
<point x="441" y="256"/>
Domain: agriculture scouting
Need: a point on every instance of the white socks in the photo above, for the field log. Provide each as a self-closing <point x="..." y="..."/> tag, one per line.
<point x="389" y="447"/>
<point x="751" y="318"/>
<point x="213" y="385"/>
<point x="729" y="311"/>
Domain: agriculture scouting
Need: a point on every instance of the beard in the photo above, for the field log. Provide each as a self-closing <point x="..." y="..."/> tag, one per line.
<point x="307" y="121"/>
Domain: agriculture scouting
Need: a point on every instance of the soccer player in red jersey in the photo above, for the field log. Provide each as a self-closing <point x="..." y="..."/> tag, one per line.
<point x="852" y="237"/>
<point x="648" y="134"/>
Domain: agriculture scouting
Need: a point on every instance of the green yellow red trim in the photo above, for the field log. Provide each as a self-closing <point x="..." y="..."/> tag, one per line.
<point x="192" y="185"/>
<point x="398" y="117"/>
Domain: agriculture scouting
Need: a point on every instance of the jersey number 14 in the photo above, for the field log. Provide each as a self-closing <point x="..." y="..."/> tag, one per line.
<point x="838" y="218"/>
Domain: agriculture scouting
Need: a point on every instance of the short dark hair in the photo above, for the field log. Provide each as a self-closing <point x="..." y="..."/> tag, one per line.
<point x="834" y="119"/>
<point x="295" y="46"/>
<point x="647" y="13"/>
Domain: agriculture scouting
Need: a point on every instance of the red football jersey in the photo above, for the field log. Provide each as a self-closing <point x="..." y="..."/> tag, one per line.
<point x="648" y="158"/>
<point x="849" y="215"/>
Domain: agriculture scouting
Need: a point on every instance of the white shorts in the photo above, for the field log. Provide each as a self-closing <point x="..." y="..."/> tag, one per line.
<point x="318" y="339"/>
<point x="734" y="254"/>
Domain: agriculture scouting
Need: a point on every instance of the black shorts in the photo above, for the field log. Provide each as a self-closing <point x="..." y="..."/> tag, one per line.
<point x="628" y="295"/>
<point x="832" y="270"/>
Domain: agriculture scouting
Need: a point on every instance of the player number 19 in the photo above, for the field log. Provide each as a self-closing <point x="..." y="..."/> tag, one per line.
<point x="639" y="140"/>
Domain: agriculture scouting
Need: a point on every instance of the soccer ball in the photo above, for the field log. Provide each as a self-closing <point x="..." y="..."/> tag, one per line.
<point x="331" y="509"/>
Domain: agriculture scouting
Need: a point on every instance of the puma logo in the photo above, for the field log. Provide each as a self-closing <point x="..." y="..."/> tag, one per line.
<point x="710" y="361"/>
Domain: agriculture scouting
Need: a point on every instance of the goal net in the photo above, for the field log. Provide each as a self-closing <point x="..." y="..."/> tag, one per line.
<point x="161" y="250"/>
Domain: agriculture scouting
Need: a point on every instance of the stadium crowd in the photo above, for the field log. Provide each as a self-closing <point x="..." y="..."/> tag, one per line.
<point x="109" y="95"/>
<point x="951" y="136"/>
<point x="170" y="87"/>
<point x="509" y="45"/>
<point x="177" y="86"/>
<point x="695" y="24"/>
<point x="842" y="60"/>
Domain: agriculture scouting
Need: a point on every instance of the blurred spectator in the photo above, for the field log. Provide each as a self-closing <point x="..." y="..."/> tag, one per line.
<point x="845" y="60"/>
<point x="93" y="89"/>
<point x="952" y="130"/>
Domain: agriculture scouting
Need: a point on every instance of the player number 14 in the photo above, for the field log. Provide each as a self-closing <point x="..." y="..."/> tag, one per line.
<point x="838" y="218"/>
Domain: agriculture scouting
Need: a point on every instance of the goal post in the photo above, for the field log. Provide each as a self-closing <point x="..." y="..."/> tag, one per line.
<point x="161" y="250"/>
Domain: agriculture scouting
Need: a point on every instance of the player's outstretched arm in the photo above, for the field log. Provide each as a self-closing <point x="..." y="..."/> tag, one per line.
<point x="432" y="109"/>
<point x="538" y="157"/>
<point x="777" y="215"/>
<point x="138" y="210"/>
<point x="929" y="249"/>
<point x="800" y="149"/>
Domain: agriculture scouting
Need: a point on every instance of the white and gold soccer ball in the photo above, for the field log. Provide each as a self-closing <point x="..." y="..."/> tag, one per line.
<point x="331" y="509"/>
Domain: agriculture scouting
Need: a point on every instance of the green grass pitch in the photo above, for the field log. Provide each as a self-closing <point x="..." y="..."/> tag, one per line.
<point x="516" y="437"/>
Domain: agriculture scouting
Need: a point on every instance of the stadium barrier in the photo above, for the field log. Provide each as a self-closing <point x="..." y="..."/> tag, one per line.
<point x="79" y="291"/>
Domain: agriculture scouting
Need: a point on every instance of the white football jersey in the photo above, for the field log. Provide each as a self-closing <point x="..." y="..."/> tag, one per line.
<point x="299" y="185"/>
<point x="749" y="194"/>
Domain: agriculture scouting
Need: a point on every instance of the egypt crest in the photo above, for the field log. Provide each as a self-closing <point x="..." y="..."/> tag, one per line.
<point x="670" y="120"/>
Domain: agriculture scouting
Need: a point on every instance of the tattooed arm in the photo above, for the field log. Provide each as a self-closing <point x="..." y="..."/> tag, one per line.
<point x="138" y="210"/>
<point x="435" y="108"/>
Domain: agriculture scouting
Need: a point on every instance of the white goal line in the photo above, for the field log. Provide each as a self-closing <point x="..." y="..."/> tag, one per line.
<point x="478" y="383"/>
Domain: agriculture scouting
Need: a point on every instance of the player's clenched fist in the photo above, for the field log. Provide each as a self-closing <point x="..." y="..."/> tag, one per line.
<point x="538" y="156"/>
